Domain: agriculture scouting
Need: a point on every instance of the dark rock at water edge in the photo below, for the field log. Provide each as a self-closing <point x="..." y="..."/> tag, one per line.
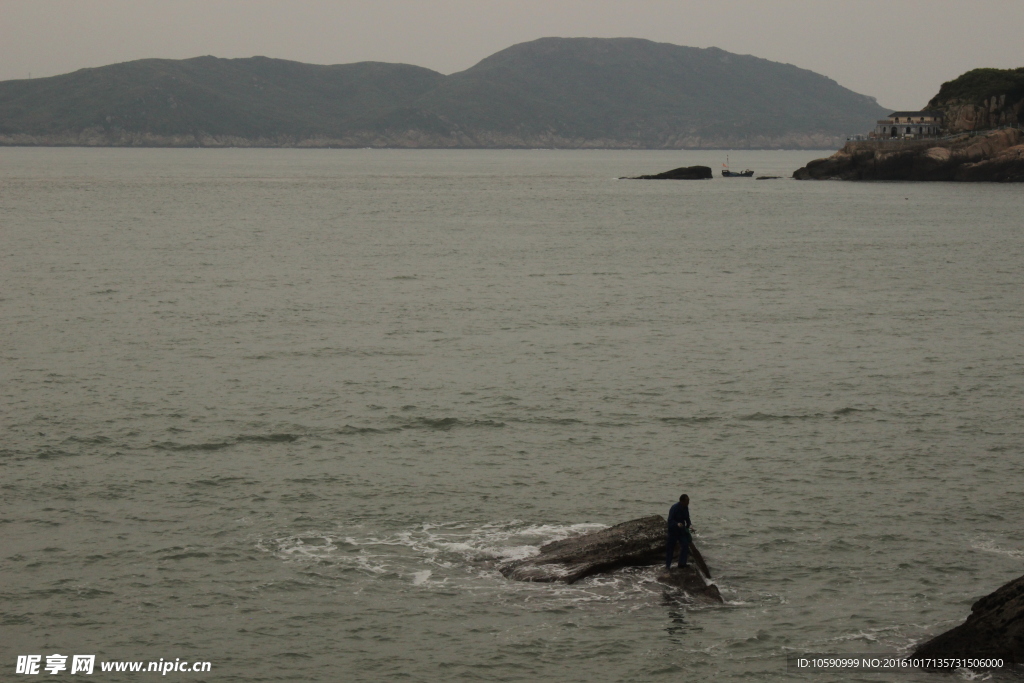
<point x="994" y="629"/>
<point x="637" y="543"/>
<point x="994" y="157"/>
<point x="690" y="579"/>
<point x="682" y="173"/>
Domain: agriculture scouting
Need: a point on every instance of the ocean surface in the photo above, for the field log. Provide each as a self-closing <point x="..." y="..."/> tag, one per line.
<point x="285" y="410"/>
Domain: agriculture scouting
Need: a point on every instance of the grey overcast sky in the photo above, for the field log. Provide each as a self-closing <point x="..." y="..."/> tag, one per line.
<point x="899" y="51"/>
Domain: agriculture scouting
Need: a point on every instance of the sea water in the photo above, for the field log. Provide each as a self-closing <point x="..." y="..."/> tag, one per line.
<point x="284" y="411"/>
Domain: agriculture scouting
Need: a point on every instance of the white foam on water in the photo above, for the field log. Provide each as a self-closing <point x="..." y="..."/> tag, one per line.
<point x="467" y="554"/>
<point x="989" y="546"/>
<point x="321" y="547"/>
<point x="556" y="532"/>
<point x="367" y="563"/>
<point x="508" y="542"/>
<point x="520" y="552"/>
<point x="444" y="545"/>
<point x="735" y="603"/>
<point x="860" y="635"/>
<point x="312" y="546"/>
<point x="489" y="541"/>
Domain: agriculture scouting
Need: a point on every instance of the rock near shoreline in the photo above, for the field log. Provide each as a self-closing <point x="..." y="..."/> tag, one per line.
<point x="994" y="157"/>
<point x="994" y="629"/>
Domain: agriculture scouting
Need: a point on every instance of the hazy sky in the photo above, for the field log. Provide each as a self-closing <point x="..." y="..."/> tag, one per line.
<point x="899" y="51"/>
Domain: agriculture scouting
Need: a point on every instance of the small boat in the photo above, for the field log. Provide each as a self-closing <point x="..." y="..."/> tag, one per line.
<point x="726" y="173"/>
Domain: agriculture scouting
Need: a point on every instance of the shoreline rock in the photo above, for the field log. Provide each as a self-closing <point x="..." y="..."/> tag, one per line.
<point x="994" y="629"/>
<point x="995" y="157"/>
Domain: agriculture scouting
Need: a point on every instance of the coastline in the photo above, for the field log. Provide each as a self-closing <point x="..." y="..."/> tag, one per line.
<point x="992" y="156"/>
<point x="97" y="137"/>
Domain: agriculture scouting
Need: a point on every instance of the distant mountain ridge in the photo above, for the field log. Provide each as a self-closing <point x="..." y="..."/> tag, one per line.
<point x="552" y="92"/>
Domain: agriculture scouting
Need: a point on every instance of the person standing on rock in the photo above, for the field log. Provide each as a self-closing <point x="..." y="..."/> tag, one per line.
<point x="678" y="532"/>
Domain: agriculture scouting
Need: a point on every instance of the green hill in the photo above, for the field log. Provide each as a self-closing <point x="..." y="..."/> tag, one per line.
<point x="978" y="86"/>
<point x="249" y="98"/>
<point x="982" y="99"/>
<point x="552" y="92"/>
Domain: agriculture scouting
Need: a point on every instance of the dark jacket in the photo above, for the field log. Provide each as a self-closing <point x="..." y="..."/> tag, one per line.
<point x="679" y="513"/>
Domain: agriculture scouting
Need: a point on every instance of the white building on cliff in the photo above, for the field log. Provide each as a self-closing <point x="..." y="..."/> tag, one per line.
<point x="909" y="124"/>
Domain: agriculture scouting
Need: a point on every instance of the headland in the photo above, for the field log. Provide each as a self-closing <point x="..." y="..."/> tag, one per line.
<point x="992" y="156"/>
<point x="971" y="131"/>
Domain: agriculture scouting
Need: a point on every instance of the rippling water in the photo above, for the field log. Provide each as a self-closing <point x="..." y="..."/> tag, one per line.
<point x="284" y="410"/>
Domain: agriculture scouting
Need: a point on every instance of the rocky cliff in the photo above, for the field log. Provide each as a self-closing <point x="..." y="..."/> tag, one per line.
<point x="997" y="156"/>
<point x="996" y="112"/>
<point x="982" y="99"/>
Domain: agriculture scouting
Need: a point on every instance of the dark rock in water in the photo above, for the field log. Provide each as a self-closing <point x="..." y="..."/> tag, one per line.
<point x="768" y="177"/>
<point x="684" y="173"/>
<point x="997" y="156"/>
<point x="690" y="579"/>
<point x="994" y="629"/>
<point x="637" y="543"/>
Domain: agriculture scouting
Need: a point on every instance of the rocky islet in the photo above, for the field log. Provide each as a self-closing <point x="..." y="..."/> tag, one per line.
<point x="681" y="173"/>
<point x="636" y="543"/>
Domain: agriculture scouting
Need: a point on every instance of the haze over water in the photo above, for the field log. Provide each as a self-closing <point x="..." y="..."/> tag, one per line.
<point x="284" y="410"/>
